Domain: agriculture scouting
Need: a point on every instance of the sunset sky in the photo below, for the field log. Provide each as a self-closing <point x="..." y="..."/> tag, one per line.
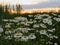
<point x="34" y="3"/>
<point x="24" y="2"/>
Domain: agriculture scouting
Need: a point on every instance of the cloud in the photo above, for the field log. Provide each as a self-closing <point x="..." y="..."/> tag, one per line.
<point x="24" y="2"/>
<point x="29" y="2"/>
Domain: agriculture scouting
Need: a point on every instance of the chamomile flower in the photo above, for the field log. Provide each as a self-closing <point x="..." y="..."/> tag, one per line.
<point x="32" y="36"/>
<point x="1" y="29"/>
<point x="43" y="32"/>
<point x="24" y="38"/>
<point x="51" y="30"/>
<point x="48" y="21"/>
<point x="18" y="35"/>
<point x="57" y="19"/>
<point x="55" y="43"/>
<point x="43" y="25"/>
<point x="35" y="25"/>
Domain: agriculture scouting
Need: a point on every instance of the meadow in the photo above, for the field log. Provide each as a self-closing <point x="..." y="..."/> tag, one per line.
<point x="29" y="29"/>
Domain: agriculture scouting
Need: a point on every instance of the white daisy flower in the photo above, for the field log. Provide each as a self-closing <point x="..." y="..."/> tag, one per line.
<point x="55" y="37"/>
<point x="18" y="35"/>
<point x="48" y="21"/>
<point x="57" y="19"/>
<point x="24" y="30"/>
<point x="45" y="15"/>
<point x="24" y="38"/>
<point x="45" y="20"/>
<point x="44" y="32"/>
<point x="51" y="30"/>
<point x="43" y="25"/>
<point x="36" y="25"/>
<point x="50" y="42"/>
<point x="15" y="20"/>
<point x="32" y="36"/>
<point x="34" y="21"/>
<point x="54" y="14"/>
<point x="58" y="15"/>
<point x="37" y="31"/>
<point x="38" y="17"/>
<point x="23" y="23"/>
<point x="30" y="15"/>
<point x="55" y="43"/>
<point x="50" y="36"/>
<point x="20" y="18"/>
<point x="8" y="32"/>
<point x="7" y="26"/>
<point x="49" y="17"/>
<point x="5" y="20"/>
<point x="27" y="24"/>
<point x="1" y="29"/>
<point x="8" y="37"/>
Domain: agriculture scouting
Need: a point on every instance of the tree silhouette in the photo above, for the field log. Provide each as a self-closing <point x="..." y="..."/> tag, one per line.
<point x="1" y="9"/>
<point x="18" y="8"/>
<point x="6" y="8"/>
<point x="1" y="13"/>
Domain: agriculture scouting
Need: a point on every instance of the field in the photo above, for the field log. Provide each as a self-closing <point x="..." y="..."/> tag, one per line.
<point x="30" y="29"/>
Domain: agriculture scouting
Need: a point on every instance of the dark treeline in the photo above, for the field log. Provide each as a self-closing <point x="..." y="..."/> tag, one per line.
<point x="5" y="14"/>
<point x="5" y="8"/>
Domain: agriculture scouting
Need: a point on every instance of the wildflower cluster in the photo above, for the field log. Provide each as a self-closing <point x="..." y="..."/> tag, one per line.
<point x="40" y="28"/>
